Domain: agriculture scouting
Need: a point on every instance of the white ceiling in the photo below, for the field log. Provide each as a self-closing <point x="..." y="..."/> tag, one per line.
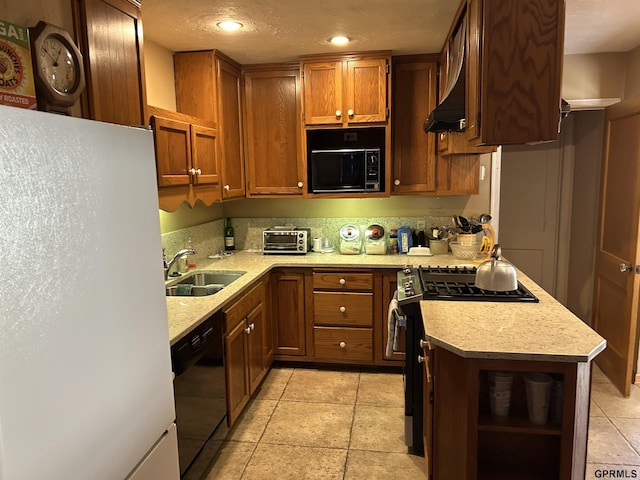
<point x="282" y="30"/>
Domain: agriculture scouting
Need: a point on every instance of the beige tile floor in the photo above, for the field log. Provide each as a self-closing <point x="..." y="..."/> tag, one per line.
<point x="321" y="424"/>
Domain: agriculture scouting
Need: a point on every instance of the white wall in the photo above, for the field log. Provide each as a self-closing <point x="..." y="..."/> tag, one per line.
<point x="160" y="76"/>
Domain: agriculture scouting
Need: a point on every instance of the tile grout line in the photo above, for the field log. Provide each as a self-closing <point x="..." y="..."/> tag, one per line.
<point x="267" y="424"/>
<point x="353" y="419"/>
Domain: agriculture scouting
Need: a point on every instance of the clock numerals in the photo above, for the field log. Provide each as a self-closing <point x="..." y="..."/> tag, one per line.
<point x="58" y="65"/>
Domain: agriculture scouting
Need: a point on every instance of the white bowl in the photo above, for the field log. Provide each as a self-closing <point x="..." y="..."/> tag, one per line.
<point x="464" y="251"/>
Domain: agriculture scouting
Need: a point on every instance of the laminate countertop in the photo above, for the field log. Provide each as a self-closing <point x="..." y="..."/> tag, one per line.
<point x="544" y="331"/>
<point x="185" y="313"/>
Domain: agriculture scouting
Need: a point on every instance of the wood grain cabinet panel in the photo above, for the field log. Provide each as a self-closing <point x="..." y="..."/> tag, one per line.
<point x="338" y="308"/>
<point x="289" y="313"/>
<point x="246" y="326"/>
<point x="186" y="159"/>
<point x="110" y="38"/>
<point x="343" y="345"/>
<point x="208" y="86"/>
<point x="515" y="52"/>
<point x="414" y="155"/>
<point x="346" y="90"/>
<point x="272" y="100"/>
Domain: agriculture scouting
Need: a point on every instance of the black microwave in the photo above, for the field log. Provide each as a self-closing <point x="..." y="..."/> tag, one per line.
<point x="345" y="170"/>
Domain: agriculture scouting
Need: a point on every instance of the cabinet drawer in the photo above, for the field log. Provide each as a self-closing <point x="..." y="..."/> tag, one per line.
<point x="333" y="308"/>
<point x="239" y="310"/>
<point x="343" y="281"/>
<point x="343" y="344"/>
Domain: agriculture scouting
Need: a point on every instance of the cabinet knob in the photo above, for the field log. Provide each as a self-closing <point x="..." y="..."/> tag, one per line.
<point x="247" y="330"/>
<point x="338" y="113"/>
<point x="192" y="171"/>
<point x="350" y="112"/>
<point x="342" y="281"/>
<point x="252" y="326"/>
<point x="396" y="182"/>
<point x="442" y="135"/>
<point x="300" y="184"/>
<point x="343" y="309"/>
<point x="420" y="359"/>
<point x="342" y="345"/>
<point x="425" y="344"/>
<point x="227" y="187"/>
<point x="198" y="171"/>
<point x="626" y="268"/>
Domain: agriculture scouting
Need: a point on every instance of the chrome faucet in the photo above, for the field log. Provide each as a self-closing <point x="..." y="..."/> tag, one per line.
<point x="170" y="263"/>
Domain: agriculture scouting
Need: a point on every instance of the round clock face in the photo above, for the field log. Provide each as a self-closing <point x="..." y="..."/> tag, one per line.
<point x="58" y="65"/>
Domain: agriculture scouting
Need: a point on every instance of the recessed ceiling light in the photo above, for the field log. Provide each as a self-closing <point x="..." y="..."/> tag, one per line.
<point x="229" y="25"/>
<point x="339" y="40"/>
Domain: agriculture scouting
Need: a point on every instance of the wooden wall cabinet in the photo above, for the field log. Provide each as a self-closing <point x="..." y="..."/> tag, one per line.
<point x="247" y="361"/>
<point x="208" y="87"/>
<point x="343" y="303"/>
<point x="290" y="309"/>
<point x="186" y="159"/>
<point x="272" y="108"/>
<point x="109" y="34"/>
<point x="346" y="90"/>
<point x="414" y="151"/>
<point x="514" y="71"/>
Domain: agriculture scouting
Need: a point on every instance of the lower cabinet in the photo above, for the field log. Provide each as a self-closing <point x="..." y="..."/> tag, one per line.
<point x="247" y="354"/>
<point x="343" y="316"/>
<point x="289" y="312"/>
<point x="464" y="439"/>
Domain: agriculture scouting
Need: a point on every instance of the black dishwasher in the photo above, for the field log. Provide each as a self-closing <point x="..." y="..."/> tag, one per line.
<point x="199" y="388"/>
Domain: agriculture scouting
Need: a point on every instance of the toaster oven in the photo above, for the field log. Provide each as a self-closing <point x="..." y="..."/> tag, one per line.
<point x="286" y="241"/>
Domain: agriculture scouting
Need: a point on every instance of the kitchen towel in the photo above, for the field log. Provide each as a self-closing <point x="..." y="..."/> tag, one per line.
<point x="393" y="326"/>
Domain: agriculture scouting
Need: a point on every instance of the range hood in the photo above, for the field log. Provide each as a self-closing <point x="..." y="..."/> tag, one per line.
<point x="449" y="115"/>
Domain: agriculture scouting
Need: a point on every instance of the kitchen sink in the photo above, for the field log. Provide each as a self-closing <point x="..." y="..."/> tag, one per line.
<point x="200" y="284"/>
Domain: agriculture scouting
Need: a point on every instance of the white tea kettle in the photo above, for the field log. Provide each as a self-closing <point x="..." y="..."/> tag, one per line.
<point x="495" y="274"/>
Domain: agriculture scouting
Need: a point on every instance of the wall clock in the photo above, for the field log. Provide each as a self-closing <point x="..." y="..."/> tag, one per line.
<point x="57" y="68"/>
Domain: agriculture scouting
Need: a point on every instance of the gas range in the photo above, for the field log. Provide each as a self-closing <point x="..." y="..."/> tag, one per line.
<point x="451" y="283"/>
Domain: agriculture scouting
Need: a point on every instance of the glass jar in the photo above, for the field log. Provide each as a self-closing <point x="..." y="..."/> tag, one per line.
<point x="393" y="240"/>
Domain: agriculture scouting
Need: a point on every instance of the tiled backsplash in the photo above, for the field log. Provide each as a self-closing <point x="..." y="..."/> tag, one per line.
<point x="208" y="239"/>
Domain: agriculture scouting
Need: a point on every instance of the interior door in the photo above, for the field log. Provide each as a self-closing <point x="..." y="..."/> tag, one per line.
<point x="616" y="285"/>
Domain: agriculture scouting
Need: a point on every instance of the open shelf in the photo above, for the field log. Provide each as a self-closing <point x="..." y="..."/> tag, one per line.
<point x="517" y="425"/>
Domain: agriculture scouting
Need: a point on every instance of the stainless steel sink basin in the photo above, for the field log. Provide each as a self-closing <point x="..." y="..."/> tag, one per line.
<point x="199" y="284"/>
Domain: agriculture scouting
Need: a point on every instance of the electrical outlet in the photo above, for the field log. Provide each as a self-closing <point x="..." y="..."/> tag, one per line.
<point x="421" y="224"/>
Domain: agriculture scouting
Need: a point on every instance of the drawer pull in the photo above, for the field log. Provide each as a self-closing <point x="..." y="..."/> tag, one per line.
<point x="420" y="359"/>
<point x="343" y="309"/>
<point x="342" y="345"/>
<point x="342" y="281"/>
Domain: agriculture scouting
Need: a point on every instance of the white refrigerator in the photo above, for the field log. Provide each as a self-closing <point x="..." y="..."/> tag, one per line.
<point x="85" y="370"/>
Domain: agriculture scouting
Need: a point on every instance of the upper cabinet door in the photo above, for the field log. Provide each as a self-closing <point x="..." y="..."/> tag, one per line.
<point x="414" y="154"/>
<point x="366" y="99"/>
<point x="110" y="37"/>
<point x="173" y="152"/>
<point x="230" y="146"/>
<point x="520" y="69"/>
<point x="272" y="133"/>
<point x="204" y="155"/>
<point x="323" y="93"/>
